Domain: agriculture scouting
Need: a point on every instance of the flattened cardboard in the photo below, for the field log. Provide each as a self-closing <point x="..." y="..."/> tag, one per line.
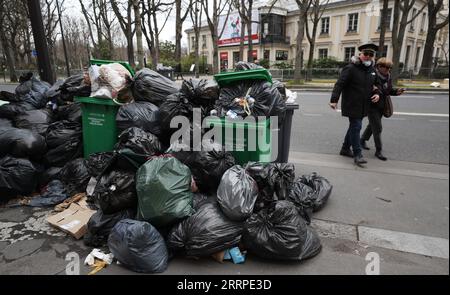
<point x="73" y="220"/>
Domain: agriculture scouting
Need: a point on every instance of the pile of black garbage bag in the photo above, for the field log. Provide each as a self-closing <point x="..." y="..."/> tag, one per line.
<point x="154" y="199"/>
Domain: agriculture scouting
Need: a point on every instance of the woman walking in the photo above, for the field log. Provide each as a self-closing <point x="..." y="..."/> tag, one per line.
<point x="375" y="113"/>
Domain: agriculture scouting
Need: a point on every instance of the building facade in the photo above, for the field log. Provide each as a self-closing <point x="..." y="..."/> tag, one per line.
<point x="343" y="26"/>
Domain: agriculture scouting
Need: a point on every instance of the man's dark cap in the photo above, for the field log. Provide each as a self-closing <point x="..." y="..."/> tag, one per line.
<point x="369" y="46"/>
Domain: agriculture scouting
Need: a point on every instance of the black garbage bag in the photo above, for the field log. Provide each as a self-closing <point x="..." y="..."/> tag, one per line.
<point x="53" y="194"/>
<point x="260" y="173"/>
<point x="262" y="92"/>
<point x="198" y="199"/>
<point x="100" y="225"/>
<point x="54" y="92"/>
<point x="137" y="245"/>
<point x="279" y="232"/>
<point x="322" y="189"/>
<point x="70" y="112"/>
<point x="150" y="86"/>
<point x="207" y="166"/>
<point x="60" y="132"/>
<point x="5" y="124"/>
<point x="22" y="143"/>
<point x="35" y="120"/>
<point x="237" y="193"/>
<point x="175" y="105"/>
<point x="59" y="156"/>
<point x="139" y="141"/>
<point x="302" y="196"/>
<point x="8" y="96"/>
<point x="74" y="86"/>
<point x="99" y="162"/>
<point x="75" y="176"/>
<point x="32" y="91"/>
<point x="18" y="176"/>
<point x="142" y="114"/>
<point x="12" y="110"/>
<point x="116" y="191"/>
<point x="281" y="177"/>
<point x="48" y="175"/>
<point x="163" y="186"/>
<point x="280" y="87"/>
<point x="243" y="66"/>
<point x="200" y="92"/>
<point x="206" y="232"/>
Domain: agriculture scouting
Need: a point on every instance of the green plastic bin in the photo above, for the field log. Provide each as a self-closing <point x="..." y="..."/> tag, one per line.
<point x="224" y="79"/>
<point x="99" y="118"/>
<point x="238" y="135"/>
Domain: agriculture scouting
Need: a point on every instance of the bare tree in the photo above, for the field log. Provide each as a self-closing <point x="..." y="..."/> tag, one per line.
<point x="212" y="17"/>
<point x="434" y="8"/>
<point x="138" y="26"/>
<point x="5" y="40"/>
<point x="109" y="24"/>
<point x="385" y="22"/>
<point x="401" y="20"/>
<point x="196" y="17"/>
<point x="239" y="6"/>
<point x="317" y="10"/>
<point x="303" y="6"/>
<point x="182" y="9"/>
<point x="126" y="24"/>
<point x="150" y="11"/>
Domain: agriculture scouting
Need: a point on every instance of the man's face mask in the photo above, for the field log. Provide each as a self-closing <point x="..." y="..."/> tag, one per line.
<point x="367" y="63"/>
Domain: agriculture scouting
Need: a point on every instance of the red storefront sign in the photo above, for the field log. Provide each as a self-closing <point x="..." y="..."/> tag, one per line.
<point x="224" y="55"/>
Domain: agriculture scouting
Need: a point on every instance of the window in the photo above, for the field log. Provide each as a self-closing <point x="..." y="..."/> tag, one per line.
<point x="325" y="25"/>
<point x="416" y="62"/>
<point x="408" y="53"/>
<point x="413" y="23"/>
<point x="192" y="42"/>
<point x="281" y="55"/>
<point x="349" y="52"/>
<point x="424" y="17"/>
<point x="203" y="41"/>
<point x="389" y="20"/>
<point x="352" y="22"/>
<point x="267" y="54"/>
<point x="323" y="53"/>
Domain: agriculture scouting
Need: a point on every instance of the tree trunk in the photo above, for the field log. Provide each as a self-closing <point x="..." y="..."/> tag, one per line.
<point x="427" y="59"/>
<point x="298" y="52"/>
<point x="138" y="26"/>
<point x="242" y="42"/>
<point x="384" y="22"/>
<point x="178" y="31"/>
<point x="312" y="46"/>
<point x="156" y="40"/>
<point x="9" y="57"/>
<point x="249" y="32"/>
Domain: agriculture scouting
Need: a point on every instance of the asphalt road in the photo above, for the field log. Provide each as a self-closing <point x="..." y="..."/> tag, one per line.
<point x="420" y="133"/>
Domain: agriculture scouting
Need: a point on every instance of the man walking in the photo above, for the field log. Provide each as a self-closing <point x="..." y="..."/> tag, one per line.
<point x="356" y="83"/>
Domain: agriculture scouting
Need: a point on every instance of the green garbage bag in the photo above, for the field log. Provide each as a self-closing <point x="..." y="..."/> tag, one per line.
<point x="163" y="186"/>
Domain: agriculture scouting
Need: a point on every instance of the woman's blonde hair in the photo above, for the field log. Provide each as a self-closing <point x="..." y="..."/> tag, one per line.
<point x="384" y="62"/>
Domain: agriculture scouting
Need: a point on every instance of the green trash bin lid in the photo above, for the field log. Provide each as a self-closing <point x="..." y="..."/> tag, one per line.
<point x="228" y="78"/>
<point x="100" y="62"/>
<point x="94" y="100"/>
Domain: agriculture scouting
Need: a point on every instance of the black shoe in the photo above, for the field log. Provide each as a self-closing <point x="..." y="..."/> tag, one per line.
<point x="380" y="156"/>
<point x="346" y="153"/>
<point x="359" y="160"/>
<point x="364" y="144"/>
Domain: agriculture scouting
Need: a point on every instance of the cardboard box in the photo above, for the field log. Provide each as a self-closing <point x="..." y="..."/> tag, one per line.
<point x="73" y="220"/>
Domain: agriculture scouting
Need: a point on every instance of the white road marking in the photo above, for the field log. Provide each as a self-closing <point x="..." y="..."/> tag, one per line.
<point x="405" y="242"/>
<point x="439" y="121"/>
<point x="417" y="114"/>
<point x="312" y="115"/>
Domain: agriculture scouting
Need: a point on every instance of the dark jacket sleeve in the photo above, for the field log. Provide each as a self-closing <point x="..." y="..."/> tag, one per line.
<point x="344" y="79"/>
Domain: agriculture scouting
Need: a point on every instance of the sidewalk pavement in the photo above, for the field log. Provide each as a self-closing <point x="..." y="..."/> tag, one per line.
<point x="399" y="210"/>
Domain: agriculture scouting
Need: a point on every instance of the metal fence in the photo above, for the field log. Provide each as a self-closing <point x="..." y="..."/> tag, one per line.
<point x="283" y="75"/>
